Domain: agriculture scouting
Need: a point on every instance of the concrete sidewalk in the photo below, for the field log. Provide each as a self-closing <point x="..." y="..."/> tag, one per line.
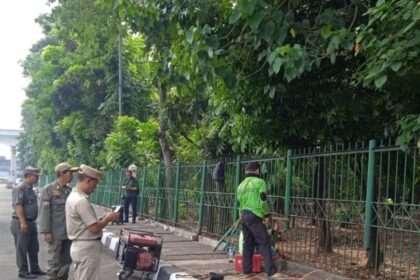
<point x="184" y="258"/>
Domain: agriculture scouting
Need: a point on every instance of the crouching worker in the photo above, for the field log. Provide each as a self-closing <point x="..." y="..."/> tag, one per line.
<point x="83" y="227"/>
<point x="253" y="207"/>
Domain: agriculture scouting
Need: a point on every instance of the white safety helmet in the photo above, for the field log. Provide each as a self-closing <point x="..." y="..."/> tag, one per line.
<point x="133" y="169"/>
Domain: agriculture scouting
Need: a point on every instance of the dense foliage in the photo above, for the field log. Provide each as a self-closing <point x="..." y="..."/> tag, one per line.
<point x="217" y="78"/>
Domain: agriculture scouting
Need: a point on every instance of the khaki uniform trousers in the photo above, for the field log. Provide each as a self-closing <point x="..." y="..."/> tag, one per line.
<point x="86" y="256"/>
<point x="60" y="260"/>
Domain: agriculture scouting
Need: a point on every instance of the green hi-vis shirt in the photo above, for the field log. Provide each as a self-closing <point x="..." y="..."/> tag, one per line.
<point x="131" y="183"/>
<point x="249" y="196"/>
<point x="52" y="214"/>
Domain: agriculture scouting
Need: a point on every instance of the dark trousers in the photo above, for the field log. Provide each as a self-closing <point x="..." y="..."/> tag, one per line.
<point x="26" y="245"/>
<point x="128" y="200"/>
<point x="255" y="233"/>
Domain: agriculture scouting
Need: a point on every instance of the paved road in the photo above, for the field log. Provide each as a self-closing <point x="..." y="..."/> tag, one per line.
<point x="9" y="271"/>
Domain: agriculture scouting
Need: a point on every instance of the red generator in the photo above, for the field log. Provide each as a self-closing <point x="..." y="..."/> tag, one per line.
<point x="138" y="250"/>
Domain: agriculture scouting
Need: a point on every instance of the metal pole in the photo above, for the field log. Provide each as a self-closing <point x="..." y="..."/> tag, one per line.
<point x="13" y="165"/>
<point x="143" y="193"/>
<point x="288" y="188"/>
<point x="237" y="182"/>
<point x="157" y="193"/>
<point x="201" y="209"/>
<point x="369" y="194"/>
<point x="176" y="193"/>
<point x="119" y="75"/>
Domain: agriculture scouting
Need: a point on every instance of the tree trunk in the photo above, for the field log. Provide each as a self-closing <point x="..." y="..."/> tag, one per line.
<point x="166" y="151"/>
<point x="325" y="240"/>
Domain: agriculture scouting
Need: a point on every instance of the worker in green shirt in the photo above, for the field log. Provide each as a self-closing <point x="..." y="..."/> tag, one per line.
<point x="253" y="207"/>
<point x="131" y="187"/>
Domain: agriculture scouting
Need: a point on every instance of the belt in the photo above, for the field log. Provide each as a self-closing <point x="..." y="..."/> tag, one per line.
<point x="95" y="239"/>
<point x="29" y="220"/>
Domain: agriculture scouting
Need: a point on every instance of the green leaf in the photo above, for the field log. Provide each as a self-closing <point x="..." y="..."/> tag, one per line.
<point x="272" y="56"/>
<point x="326" y="31"/>
<point x="248" y="6"/>
<point x="381" y="80"/>
<point x="290" y="73"/>
<point x="277" y="65"/>
<point x="396" y="66"/>
<point x="255" y="20"/>
<point x="230" y="79"/>
<point x="235" y="16"/>
<point x="281" y="36"/>
<point x="262" y="54"/>
<point x="267" y="31"/>
<point x="272" y="92"/>
<point x="213" y="41"/>
<point x="333" y="44"/>
<point x="210" y="52"/>
<point x="121" y="11"/>
<point x="202" y="57"/>
<point x="293" y="32"/>
<point x="189" y="36"/>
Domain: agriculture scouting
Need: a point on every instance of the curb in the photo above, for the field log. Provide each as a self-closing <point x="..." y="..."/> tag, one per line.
<point x="165" y="272"/>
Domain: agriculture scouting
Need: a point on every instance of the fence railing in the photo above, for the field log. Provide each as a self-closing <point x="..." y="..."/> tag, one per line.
<point x="351" y="209"/>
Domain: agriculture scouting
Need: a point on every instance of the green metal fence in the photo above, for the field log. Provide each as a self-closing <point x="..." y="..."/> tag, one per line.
<point x="351" y="209"/>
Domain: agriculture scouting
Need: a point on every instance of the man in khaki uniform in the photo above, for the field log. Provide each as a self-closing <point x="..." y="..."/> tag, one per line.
<point x="23" y="225"/>
<point x="83" y="227"/>
<point x="52" y="222"/>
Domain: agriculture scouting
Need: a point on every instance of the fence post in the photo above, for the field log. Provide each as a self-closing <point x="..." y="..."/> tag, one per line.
<point x="177" y="178"/>
<point x="237" y="182"/>
<point x="143" y="191"/>
<point x="157" y="193"/>
<point x="119" y="200"/>
<point x="369" y="194"/>
<point x="288" y="188"/>
<point x="201" y="209"/>
<point x="108" y="204"/>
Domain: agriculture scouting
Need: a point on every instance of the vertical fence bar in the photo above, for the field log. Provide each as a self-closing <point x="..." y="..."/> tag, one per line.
<point x="108" y="204"/>
<point x="369" y="194"/>
<point x="157" y="193"/>
<point x="237" y="181"/>
<point x="201" y="209"/>
<point x="119" y="189"/>
<point x="288" y="189"/>
<point x="143" y="192"/>
<point x="177" y="178"/>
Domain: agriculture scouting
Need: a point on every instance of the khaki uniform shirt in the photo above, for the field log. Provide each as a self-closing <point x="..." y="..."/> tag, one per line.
<point x="25" y="196"/>
<point x="79" y="216"/>
<point x="52" y="215"/>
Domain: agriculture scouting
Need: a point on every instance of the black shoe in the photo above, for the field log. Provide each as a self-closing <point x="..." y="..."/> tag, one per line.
<point x="26" y="274"/>
<point x="133" y="222"/>
<point x="38" y="272"/>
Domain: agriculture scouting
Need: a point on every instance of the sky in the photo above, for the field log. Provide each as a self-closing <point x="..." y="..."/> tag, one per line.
<point x="18" y="31"/>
